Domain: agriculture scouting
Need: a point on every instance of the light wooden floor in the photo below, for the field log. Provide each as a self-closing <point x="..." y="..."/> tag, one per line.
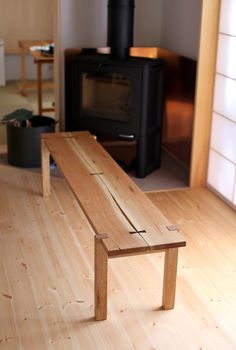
<point x="46" y="272"/>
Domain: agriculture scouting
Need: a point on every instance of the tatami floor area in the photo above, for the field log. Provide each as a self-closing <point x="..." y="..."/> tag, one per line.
<point x="46" y="275"/>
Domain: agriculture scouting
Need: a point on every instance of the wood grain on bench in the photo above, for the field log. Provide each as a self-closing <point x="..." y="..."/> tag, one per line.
<point x="124" y="220"/>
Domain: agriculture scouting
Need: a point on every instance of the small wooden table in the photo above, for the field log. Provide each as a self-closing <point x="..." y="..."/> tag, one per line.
<point x="39" y="60"/>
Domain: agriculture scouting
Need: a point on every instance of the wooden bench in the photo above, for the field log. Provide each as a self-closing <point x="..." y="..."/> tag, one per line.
<point x="124" y="220"/>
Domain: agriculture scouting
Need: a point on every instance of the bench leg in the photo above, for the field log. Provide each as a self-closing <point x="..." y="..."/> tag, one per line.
<point x="45" y="163"/>
<point x="170" y="274"/>
<point x="100" y="285"/>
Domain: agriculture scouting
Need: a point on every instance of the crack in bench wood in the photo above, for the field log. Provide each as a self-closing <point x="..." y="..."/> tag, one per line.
<point x="125" y="222"/>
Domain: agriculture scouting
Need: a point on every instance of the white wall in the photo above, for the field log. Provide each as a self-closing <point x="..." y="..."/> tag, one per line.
<point x="84" y="23"/>
<point x="147" y="22"/>
<point x="181" y="26"/>
<point x="222" y="158"/>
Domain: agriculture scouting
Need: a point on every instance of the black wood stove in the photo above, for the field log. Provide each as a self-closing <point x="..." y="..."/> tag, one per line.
<point x="116" y="94"/>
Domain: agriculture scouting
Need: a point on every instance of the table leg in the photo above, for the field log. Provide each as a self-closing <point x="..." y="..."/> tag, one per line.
<point x="170" y="274"/>
<point x="39" y="86"/>
<point x="100" y="285"/>
<point x="23" y="72"/>
<point x="45" y="163"/>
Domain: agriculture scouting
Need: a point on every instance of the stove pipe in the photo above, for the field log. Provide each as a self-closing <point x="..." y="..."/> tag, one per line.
<point x="120" y="27"/>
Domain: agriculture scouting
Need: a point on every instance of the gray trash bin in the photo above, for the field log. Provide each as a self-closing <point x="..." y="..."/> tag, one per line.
<point x="24" y="144"/>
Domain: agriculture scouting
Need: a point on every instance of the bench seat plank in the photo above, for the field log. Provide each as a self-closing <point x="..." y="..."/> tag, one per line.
<point x="113" y="204"/>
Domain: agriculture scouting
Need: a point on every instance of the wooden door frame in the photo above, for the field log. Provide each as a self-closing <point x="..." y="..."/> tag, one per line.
<point x="204" y="92"/>
<point x="57" y="59"/>
<point x="204" y="85"/>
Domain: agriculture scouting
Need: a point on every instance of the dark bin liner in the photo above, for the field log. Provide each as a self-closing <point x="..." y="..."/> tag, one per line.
<point x="24" y="144"/>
